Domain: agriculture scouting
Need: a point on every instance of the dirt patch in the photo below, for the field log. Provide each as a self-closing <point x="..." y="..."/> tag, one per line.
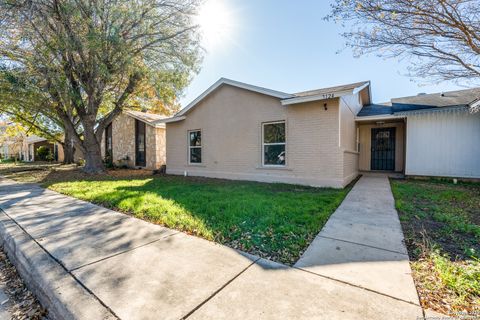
<point x="21" y="303"/>
<point x="440" y="221"/>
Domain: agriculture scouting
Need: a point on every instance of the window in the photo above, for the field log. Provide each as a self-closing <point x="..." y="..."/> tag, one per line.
<point x="195" y="146"/>
<point x="274" y="153"/>
<point x="140" y="144"/>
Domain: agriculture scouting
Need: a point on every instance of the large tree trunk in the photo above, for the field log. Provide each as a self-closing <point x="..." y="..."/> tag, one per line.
<point x="93" y="156"/>
<point x="68" y="149"/>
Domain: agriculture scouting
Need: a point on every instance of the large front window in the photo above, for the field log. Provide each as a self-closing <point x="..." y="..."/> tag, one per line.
<point x="274" y="153"/>
<point x="195" y="146"/>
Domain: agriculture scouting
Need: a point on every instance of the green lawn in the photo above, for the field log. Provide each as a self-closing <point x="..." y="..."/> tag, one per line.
<point x="441" y="223"/>
<point x="275" y="221"/>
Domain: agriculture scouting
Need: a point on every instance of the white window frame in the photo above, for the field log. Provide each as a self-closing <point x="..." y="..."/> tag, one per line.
<point x="273" y="144"/>
<point x="191" y="147"/>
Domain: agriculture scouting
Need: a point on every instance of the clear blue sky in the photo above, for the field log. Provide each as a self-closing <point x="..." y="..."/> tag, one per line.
<point x="286" y="45"/>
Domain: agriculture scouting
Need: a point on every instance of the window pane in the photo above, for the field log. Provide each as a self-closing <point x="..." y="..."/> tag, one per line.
<point x="274" y="133"/>
<point x="195" y="155"/>
<point x="274" y="154"/>
<point x="195" y="138"/>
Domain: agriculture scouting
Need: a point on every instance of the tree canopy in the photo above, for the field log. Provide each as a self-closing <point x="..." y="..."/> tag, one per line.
<point x="92" y="59"/>
<point x="440" y="37"/>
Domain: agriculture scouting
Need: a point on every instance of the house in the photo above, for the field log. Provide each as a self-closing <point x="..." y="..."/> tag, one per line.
<point x="21" y="146"/>
<point x="435" y="135"/>
<point x="322" y="137"/>
<point x="135" y="139"/>
<point x="33" y="143"/>
<point x="11" y="145"/>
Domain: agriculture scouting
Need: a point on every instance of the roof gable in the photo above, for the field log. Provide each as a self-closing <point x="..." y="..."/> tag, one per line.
<point x="152" y="119"/>
<point x="233" y="83"/>
<point x="286" y="98"/>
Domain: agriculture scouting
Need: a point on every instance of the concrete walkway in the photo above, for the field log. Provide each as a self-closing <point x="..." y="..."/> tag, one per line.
<point x="87" y="262"/>
<point x="362" y="243"/>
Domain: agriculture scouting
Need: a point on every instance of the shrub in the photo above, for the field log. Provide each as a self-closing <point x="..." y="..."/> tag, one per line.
<point x="44" y="154"/>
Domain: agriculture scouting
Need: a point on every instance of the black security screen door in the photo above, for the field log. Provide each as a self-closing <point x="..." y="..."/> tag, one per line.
<point x="140" y="157"/>
<point x="383" y="149"/>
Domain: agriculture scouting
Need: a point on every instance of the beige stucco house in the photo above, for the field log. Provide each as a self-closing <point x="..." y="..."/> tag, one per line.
<point x="135" y="139"/>
<point x="323" y="137"/>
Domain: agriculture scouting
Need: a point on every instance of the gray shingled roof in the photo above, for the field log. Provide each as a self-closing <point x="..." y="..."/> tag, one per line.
<point x="459" y="98"/>
<point x="445" y="99"/>
<point x="344" y="87"/>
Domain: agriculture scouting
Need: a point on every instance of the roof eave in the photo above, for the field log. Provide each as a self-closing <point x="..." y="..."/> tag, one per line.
<point x="173" y="119"/>
<point x="327" y="95"/>
<point x="155" y="123"/>
<point x="222" y="81"/>
<point x="379" y="117"/>
<point x="317" y="97"/>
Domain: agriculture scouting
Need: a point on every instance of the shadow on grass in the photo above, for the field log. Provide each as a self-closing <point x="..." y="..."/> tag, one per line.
<point x="275" y="221"/>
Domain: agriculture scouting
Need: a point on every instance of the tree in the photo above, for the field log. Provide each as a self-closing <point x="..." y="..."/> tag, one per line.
<point x="23" y="103"/>
<point x="442" y="37"/>
<point x="91" y="57"/>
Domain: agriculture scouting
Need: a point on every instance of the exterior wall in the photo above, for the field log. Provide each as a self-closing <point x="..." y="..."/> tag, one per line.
<point x="156" y="156"/>
<point x="231" y="122"/>
<point x="123" y="143"/>
<point x="123" y="140"/>
<point x="365" y="139"/>
<point x="349" y="107"/>
<point x="60" y="153"/>
<point x="443" y="143"/>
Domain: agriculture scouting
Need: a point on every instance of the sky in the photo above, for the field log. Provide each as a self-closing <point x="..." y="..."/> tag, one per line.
<point x="287" y="46"/>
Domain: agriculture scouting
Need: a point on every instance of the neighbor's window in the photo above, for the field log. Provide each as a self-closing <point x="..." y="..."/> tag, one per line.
<point x="274" y="153"/>
<point x="195" y="146"/>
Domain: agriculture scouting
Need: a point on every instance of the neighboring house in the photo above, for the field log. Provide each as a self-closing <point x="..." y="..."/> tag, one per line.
<point x="136" y="140"/>
<point x="11" y="145"/>
<point x="322" y="137"/>
<point x="436" y="135"/>
<point x="23" y="147"/>
<point x="34" y="142"/>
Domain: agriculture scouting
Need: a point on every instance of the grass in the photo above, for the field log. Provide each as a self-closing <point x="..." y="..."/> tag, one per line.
<point x="441" y="223"/>
<point x="274" y="221"/>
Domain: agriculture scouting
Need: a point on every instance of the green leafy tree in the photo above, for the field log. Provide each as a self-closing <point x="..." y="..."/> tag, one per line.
<point x="91" y="57"/>
<point x="23" y="102"/>
<point x="440" y="37"/>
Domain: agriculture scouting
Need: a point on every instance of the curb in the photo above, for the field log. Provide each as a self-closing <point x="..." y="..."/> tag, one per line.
<point x="57" y="290"/>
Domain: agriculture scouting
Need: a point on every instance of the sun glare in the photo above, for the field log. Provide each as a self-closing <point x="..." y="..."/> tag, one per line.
<point x="216" y="23"/>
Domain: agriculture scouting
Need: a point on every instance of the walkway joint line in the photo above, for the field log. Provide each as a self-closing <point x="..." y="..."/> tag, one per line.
<point x="365" y="245"/>
<point x="125" y="251"/>
<point x="356" y="286"/>
<point x="61" y="265"/>
<point x="218" y="291"/>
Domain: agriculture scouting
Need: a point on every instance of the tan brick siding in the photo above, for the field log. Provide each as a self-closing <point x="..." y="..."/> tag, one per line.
<point x="349" y="106"/>
<point x="231" y="123"/>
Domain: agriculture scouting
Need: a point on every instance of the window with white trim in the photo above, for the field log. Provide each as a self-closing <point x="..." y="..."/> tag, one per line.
<point x="195" y="146"/>
<point x="273" y="143"/>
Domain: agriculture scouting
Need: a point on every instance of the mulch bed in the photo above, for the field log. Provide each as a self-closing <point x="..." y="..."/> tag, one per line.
<point x="22" y="304"/>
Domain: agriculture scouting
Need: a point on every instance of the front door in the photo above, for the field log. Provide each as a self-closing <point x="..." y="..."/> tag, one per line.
<point x="383" y="149"/>
<point x="140" y="156"/>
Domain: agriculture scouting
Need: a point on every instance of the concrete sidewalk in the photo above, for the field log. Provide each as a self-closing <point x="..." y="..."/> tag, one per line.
<point x="362" y="243"/>
<point x="87" y="257"/>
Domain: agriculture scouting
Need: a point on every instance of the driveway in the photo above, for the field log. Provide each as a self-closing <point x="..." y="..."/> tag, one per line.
<point x="119" y="266"/>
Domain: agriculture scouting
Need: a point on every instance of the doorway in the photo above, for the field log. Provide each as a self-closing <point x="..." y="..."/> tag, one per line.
<point x="383" y="149"/>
